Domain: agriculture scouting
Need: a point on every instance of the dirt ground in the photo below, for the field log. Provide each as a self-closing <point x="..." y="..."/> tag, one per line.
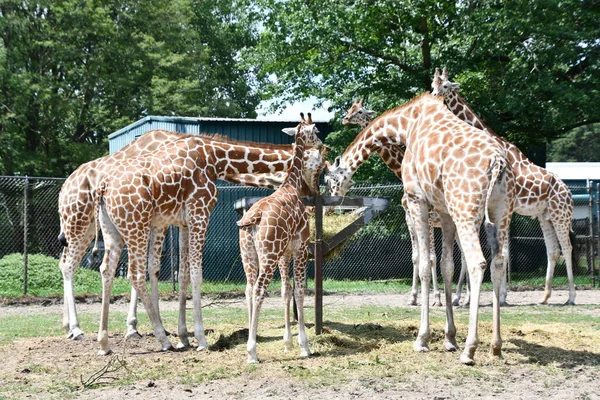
<point x="513" y="381"/>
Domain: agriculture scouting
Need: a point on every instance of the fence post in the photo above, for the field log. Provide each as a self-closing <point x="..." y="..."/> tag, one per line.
<point x="592" y="246"/>
<point x="318" y="264"/>
<point x="597" y="203"/>
<point x="25" y="229"/>
<point x="172" y="254"/>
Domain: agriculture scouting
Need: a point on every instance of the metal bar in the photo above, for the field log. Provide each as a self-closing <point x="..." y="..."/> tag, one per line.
<point x="594" y="280"/>
<point x="318" y="264"/>
<point x="172" y="254"/>
<point x="25" y="239"/>
<point x="590" y="189"/>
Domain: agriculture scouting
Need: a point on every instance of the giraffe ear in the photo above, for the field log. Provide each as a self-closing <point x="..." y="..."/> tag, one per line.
<point x="289" y="131"/>
<point x="453" y="85"/>
<point x="371" y="114"/>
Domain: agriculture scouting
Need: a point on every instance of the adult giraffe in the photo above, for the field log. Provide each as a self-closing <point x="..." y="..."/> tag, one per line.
<point x="272" y="231"/>
<point x="539" y="193"/>
<point x="173" y="186"/>
<point x="463" y="174"/>
<point x="392" y="156"/>
<point x="76" y="214"/>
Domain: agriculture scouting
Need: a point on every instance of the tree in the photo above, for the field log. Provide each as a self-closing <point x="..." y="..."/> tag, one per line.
<point x="581" y="144"/>
<point x="529" y="69"/>
<point x="73" y="71"/>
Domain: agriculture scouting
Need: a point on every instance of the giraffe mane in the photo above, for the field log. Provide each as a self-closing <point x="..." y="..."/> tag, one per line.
<point x="217" y="137"/>
<point x="396" y="109"/>
<point x="489" y="130"/>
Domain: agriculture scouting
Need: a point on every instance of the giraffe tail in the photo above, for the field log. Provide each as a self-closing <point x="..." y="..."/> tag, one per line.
<point x="250" y="218"/>
<point x="62" y="239"/>
<point x="491" y="229"/>
<point x="98" y="202"/>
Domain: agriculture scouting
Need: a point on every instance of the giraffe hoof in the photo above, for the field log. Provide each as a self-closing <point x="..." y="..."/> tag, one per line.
<point x="466" y="359"/>
<point x="104" y="352"/>
<point x="420" y="347"/>
<point x="133" y="335"/>
<point x="450" y="346"/>
<point x="455" y="302"/>
<point x="75" y="334"/>
<point x="437" y="304"/>
<point x="182" y="345"/>
<point x="202" y="348"/>
<point x="570" y="303"/>
<point x="168" y="347"/>
<point x="543" y="303"/>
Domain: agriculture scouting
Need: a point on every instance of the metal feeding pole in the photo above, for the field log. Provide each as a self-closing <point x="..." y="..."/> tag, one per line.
<point x="25" y="229"/>
<point x="373" y="206"/>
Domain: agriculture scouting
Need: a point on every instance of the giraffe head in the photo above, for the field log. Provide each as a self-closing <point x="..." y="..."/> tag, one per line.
<point x="358" y="114"/>
<point x="338" y="178"/>
<point x="314" y="161"/>
<point x="441" y="86"/>
<point x="308" y="130"/>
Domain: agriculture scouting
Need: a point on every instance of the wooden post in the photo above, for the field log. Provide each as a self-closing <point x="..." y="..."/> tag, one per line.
<point x="318" y="264"/>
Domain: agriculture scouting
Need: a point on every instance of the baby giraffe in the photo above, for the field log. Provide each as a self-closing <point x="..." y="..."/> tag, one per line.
<point x="272" y="231"/>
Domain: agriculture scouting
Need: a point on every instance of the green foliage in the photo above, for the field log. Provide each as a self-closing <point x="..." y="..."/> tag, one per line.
<point x="529" y="69"/>
<point x="44" y="277"/>
<point x="71" y="72"/>
<point x="580" y="144"/>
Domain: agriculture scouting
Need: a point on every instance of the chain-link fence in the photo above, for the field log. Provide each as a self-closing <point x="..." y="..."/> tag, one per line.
<point x="378" y="257"/>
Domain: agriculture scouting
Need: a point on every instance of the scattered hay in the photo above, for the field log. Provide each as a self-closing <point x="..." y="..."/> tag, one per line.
<point x="228" y="342"/>
<point x="332" y="224"/>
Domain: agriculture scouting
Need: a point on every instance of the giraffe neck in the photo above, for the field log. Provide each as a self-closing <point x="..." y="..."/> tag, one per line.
<point x="266" y="180"/>
<point x="229" y="159"/>
<point x="461" y="109"/>
<point x="294" y="173"/>
<point x="389" y="129"/>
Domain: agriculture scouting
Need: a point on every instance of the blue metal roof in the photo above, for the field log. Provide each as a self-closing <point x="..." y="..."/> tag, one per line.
<point x="236" y="128"/>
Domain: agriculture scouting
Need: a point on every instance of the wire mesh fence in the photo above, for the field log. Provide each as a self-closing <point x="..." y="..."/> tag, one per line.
<point x="376" y="258"/>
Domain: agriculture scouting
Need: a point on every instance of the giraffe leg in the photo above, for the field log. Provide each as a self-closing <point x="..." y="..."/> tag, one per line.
<point x="461" y="278"/>
<point x="437" y="301"/>
<point x="419" y="212"/>
<point x="250" y="263"/>
<point x="197" y="236"/>
<point x="70" y="259"/>
<point x="563" y="232"/>
<point x="184" y="280"/>
<point x="265" y="274"/>
<point x="137" y="277"/>
<point x="113" y="244"/>
<point x="447" y="267"/>
<point x="552" y="253"/>
<point x="415" y="253"/>
<point x="476" y="264"/>
<point x="286" y="296"/>
<point x="300" y="261"/>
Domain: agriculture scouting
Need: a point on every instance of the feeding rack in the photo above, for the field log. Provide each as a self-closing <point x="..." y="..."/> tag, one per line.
<point x="371" y="207"/>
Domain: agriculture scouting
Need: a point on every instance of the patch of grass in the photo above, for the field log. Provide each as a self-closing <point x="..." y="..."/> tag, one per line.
<point x="44" y="278"/>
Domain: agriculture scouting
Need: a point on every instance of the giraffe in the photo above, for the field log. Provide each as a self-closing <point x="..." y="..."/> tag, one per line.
<point x="392" y="156"/>
<point x="271" y="232"/>
<point x="539" y="193"/>
<point x="75" y="208"/>
<point x="463" y="174"/>
<point x="173" y="186"/>
<point x="75" y="211"/>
